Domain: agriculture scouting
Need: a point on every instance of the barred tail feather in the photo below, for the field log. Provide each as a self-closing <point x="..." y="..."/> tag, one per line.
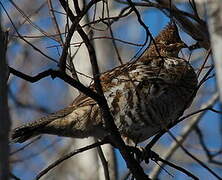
<point x="27" y="131"/>
<point x="23" y="133"/>
<point x="68" y="122"/>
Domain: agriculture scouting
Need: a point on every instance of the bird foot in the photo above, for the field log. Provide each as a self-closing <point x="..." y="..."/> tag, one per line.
<point x="141" y="153"/>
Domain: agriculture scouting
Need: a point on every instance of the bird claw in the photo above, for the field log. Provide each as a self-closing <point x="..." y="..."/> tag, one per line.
<point x="141" y="153"/>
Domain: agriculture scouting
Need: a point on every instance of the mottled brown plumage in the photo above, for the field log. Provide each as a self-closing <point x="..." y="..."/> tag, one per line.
<point x="144" y="97"/>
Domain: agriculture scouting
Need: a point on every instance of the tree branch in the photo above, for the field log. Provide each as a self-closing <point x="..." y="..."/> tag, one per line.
<point x="5" y="122"/>
<point x="115" y="137"/>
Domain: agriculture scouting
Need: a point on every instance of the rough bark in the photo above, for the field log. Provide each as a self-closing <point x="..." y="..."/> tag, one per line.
<point x="4" y="111"/>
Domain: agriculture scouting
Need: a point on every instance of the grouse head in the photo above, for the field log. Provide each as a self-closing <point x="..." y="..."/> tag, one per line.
<point x="167" y="43"/>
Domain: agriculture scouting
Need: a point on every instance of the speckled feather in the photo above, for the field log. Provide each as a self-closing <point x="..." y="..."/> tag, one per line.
<point x="144" y="96"/>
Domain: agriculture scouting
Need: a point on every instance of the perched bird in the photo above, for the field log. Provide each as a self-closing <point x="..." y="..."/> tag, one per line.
<point x="144" y="96"/>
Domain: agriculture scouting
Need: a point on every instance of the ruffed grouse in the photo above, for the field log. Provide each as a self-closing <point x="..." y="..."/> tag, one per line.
<point x="144" y="97"/>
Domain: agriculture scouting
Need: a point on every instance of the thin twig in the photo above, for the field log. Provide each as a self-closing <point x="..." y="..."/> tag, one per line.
<point x="61" y="75"/>
<point x="194" y="158"/>
<point x="104" y="163"/>
<point x="75" y="22"/>
<point x="185" y="132"/>
<point x="112" y="35"/>
<point x="27" y="19"/>
<point x="54" y="20"/>
<point x="67" y="156"/>
<point x="21" y="37"/>
<point x="25" y="146"/>
<point x="155" y="157"/>
<point x="204" y="146"/>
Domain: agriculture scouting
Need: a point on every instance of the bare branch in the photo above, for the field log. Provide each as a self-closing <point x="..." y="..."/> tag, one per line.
<point x="77" y="151"/>
<point x="155" y="157"/>
<point x="186" y="131"/>
<point x="104" y="163"/>
<point x="61" y="75"/>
